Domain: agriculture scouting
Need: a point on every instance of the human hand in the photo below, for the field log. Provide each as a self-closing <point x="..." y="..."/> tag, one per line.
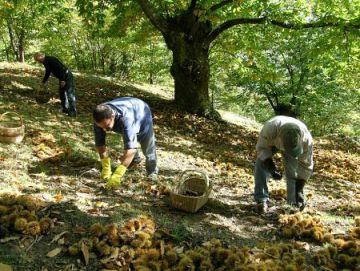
<point x="276" y="175"/>
<point x="115" y="179"/>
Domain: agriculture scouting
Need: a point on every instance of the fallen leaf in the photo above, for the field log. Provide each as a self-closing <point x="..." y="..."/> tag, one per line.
<point x="302" y="245"/>
<point x="61" y="241"/>
<point x="57" y="237"/>
<point x="54" y="252"/>
<point x="179" y="250"/>
<point x="93" y="211"/>
<point x="79" y="229"/>
<point x="100" y="204"/>
<point x="162" y="248"/>
<point x="58" y="197"/>
<point x="7" y="239"/>
<point x="85" y="251"/>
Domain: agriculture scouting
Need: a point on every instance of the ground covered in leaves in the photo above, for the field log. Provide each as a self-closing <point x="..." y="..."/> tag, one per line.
<point x="71" y="223"/>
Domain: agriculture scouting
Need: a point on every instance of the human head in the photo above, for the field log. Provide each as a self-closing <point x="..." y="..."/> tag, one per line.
<point x="290" y="135"/>
<point x="39" y="57"/>
<point x="104" y="117"/>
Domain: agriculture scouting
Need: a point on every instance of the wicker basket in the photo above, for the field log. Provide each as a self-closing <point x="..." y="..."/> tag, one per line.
<point x="42" y="96"/>
<point x="12" y="130"/>
<point x="191" y="182"/>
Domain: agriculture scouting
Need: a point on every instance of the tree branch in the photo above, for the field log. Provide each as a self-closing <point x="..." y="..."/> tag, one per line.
<point x="228" y="24"/>
<point x="262" y="20"/>
<point x="192" y="5"/>
<point x="270" y="101"/>
<point x="317" y="24"/>
<point x="158" y="22"/>
<point x="220" y="5"/>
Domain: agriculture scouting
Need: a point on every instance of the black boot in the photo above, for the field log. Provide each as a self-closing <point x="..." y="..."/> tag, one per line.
<point x="299" y="193"/>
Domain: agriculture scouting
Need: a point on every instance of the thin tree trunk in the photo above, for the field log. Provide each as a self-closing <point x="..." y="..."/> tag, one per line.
<point x="7" y="47"/>
<point x="12" y="41"/>
<point x="21" y="48"/>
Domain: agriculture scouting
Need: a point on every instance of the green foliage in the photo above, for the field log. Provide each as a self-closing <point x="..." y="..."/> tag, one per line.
<point x="249" y="63"/>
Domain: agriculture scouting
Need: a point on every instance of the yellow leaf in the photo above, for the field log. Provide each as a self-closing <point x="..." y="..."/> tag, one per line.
<point x="58" y="236"/>
<point x="85" y="251"/>
<point x="54" y="252"/>
<point x="58" y="197"/>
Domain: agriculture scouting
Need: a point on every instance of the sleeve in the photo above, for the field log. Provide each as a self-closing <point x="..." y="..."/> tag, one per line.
<point x="129" y="135"/>
<point x="100" y="136"/>
<point x="306" y="163"/>
<point x="47" y="73"/>
<point x="264" y="144"/>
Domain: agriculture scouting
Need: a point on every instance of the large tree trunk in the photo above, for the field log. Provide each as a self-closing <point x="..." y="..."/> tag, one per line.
<point x="190" y="70"/>
<point x="187" y="39"/>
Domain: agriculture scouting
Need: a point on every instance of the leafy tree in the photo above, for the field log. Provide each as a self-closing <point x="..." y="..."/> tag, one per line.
<point x="190" y="27"/>
<point x="22" y="19"/>
<point x="304" y="71"/>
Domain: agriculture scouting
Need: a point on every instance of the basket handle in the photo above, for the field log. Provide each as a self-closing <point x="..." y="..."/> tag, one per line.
<point x="13" y="113"/>
<point x="203" y="173"/>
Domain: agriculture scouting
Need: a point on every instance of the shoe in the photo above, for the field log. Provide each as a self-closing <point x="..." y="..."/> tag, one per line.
<point x="72" y="114"/>
<point x="134" y="164"/>
<point x="261" y="207"/>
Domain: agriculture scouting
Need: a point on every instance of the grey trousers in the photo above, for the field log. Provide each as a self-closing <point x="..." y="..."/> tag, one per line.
<point x="262" y="176"/>
<point x="148" y="148"/>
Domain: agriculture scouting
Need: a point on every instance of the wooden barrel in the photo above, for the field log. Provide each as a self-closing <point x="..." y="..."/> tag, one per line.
<point x="12" y="130"/>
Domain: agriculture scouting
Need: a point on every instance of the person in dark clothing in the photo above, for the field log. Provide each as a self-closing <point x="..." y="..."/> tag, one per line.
<point x="66" y="81"/>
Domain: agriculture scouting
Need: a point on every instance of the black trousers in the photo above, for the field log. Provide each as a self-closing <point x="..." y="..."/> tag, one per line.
<point x="67" y="95"/>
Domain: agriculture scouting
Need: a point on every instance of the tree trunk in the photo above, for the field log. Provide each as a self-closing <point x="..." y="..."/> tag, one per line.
<point x="21" y="48"/>
<point x="190" y="70"/>
<point x="7" y="49"/>
<point x="12" y="41"/>
<point x="187" y="39"/>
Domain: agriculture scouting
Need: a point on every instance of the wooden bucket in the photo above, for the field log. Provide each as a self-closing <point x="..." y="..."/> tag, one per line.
<point x="192" y="191"/>
<point x="11" y="130"/>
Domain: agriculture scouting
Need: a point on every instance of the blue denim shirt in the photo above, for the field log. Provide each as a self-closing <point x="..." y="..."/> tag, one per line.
<point x="132" y="119"/>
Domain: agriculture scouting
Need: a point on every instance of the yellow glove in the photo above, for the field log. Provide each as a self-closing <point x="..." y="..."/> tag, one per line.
<point x="115" y="179"/>
<point x="106" y="168"/>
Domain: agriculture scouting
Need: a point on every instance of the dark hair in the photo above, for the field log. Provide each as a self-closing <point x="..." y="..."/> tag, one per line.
<point x="101" y="112"/>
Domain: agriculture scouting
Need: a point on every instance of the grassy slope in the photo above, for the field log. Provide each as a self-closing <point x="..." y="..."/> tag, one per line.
<point x="57" y="163"/>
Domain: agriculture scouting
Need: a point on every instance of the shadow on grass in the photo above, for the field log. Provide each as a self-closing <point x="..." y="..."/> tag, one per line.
<point x="61" y="164"/>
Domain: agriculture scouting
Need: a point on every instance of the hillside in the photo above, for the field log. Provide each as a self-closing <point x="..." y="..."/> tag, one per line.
<point x="57" y="163"/>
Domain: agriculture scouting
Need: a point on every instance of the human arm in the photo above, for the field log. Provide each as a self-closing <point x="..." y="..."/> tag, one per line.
<point x="100" y="136"/>
<point x="47" y="73"/>
<point x="305" y="160"/>
<point x="270" y="166"/>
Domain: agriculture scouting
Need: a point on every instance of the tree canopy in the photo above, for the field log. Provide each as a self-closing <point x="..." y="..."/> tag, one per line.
<point x="271" y="55"/>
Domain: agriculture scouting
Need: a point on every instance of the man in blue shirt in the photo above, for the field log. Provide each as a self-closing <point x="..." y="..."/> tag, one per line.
<point x="132" y="118"/>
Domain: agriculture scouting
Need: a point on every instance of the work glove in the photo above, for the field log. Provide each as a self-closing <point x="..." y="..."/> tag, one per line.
<point x="115" y="179"/>
<point x="270" y="166"/>
<point x="105" y="168"/>
<point x="299" y="193"/>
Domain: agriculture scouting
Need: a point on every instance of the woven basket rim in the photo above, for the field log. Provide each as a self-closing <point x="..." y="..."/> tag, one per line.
<point x="21" y="122"/>
<point x="201" y="175"/>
